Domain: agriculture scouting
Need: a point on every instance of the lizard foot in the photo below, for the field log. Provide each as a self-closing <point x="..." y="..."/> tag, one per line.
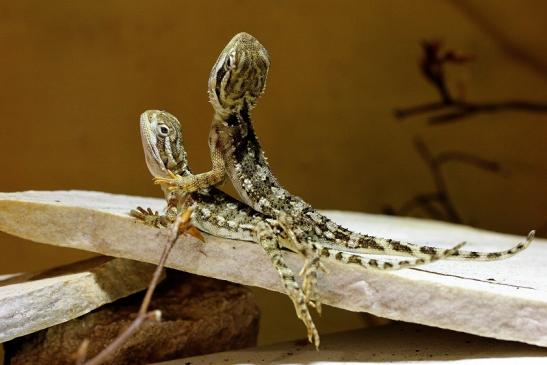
<point x="300" y="305"/>
<point x="176" y="182"/>
<point x="149" y="217"/>
<point x="309" y="273"/>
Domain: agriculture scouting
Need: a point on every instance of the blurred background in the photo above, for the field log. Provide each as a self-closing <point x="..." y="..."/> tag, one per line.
<point x="434" y="109"/>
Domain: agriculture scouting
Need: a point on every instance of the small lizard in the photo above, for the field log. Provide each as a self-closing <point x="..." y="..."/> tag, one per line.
<point x="237" y="80"/>
<point x="219" y="214"/>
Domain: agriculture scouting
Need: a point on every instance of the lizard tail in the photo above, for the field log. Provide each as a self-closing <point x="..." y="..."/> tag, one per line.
<point x="365" y="244"/>
<point x="379" y="264"/>
<point x="370" y="244"/>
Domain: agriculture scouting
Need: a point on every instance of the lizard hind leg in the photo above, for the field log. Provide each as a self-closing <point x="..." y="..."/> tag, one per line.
<point x="267" y="238"/>
<point x="309" y="273"/>
<point x="312" y="265"/>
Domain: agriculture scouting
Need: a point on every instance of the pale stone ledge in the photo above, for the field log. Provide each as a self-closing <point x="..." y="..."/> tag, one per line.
<point x="399" y="343"/>
<point x="199" y="316"/>
<point x="31" y="302"/>
<point x="503" y="299"/>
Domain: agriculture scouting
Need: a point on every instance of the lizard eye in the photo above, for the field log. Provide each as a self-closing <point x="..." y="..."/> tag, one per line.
<point x="163" y="131"/>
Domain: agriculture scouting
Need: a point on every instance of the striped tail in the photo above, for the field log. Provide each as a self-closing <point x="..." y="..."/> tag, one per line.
<point x="378" y="264"/>
<point x="342" y="238"/>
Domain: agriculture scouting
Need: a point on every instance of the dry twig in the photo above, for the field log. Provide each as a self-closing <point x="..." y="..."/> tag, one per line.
<point x="448" y="109"/>
<point x="438" y="204"/>
<point x="433" y="63"/>
<point x="458" y="110"/>
<point x="180" y="226"/>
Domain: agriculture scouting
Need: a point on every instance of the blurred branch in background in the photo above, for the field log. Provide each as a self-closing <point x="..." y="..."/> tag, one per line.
<point x="438" y="204"/>
<point x="449" y="109"/>
<point x="433" y="63"/>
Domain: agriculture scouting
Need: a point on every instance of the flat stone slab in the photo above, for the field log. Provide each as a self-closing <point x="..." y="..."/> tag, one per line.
<point x="31" y="302"/>
<point x="400" y="343"/>
<point x="199" y="316"/>
<point x="503" y="299"/>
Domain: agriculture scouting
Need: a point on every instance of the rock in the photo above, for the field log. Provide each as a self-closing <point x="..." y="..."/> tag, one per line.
<point x="31" y="302"/>
<point x="199" y="316"/>
<point x="503" y="299"/>
<point x="399" y="343"/>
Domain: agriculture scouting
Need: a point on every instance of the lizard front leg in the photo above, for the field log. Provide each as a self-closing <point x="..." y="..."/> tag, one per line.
<point x="150" y="217"/>
<point x="191" y="183"/>
<point x="153" y="218"/>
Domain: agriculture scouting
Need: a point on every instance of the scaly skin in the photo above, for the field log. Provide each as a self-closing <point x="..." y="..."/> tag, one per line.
<point x="219" y="214"/>
<point x="236" y="81"/>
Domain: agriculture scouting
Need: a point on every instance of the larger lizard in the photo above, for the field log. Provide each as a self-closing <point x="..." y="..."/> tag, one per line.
<point x="237" y="80"/>
<point x="219" y="214"/>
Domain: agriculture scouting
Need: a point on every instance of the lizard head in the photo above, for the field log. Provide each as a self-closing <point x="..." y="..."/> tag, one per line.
<point x="162" y="142"/>
<point x="238" y="78"/>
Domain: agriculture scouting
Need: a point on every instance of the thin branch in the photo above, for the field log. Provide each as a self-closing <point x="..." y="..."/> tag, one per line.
<point x="469" y="159"/>
<point x="440" y="198"/>
<point x="447" y="113"/>
<point x="180" y="226"/>
<point x="81" y="352"/>
<point x="426" y="202"/>
<point x="404" y="113"/>
<point x="464" y="109"/>
<point x="432" y="163"/>
<point x="449" y="109"/>
<point x="433" y="62"/>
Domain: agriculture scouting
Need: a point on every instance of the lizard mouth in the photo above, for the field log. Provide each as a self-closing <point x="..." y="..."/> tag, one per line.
<point x="149" y="141"/>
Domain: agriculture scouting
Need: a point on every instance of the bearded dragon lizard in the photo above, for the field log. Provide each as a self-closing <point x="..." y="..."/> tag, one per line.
<point x="217" y="213"/>
<point x="237" y="80"/>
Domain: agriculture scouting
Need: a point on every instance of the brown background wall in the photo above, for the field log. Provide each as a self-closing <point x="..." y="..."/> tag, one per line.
<point x="76" y="75"/>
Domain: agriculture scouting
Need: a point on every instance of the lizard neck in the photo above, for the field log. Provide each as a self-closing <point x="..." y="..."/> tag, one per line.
<point x="247" y="166"/>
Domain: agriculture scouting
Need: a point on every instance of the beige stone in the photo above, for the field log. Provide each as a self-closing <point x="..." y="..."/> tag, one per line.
<point x="399" y="343"/>
<point x="503" y="299"/>
<point x="31" y="302"/>
<point x="199" y="316"/>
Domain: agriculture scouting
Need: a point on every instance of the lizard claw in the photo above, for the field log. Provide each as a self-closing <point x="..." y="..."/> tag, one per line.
<point x="149" y="217"/>
<point x="175" y="182"/>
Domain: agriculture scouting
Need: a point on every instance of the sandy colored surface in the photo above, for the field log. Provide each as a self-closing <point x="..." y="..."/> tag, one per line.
<point x="31" y="302"/>
<point x="504" y="299"/>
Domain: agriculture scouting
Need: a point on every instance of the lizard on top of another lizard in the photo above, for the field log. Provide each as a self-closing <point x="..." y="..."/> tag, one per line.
<point x="237" y="80"/>
<point x="219" y="214"/>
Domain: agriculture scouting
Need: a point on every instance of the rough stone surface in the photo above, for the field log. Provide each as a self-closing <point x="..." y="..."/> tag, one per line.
<point x="31" y="302"/>
<point x="503" y="299"/>
<point x="399" y="343"/>
<point x="199" y="316"/>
